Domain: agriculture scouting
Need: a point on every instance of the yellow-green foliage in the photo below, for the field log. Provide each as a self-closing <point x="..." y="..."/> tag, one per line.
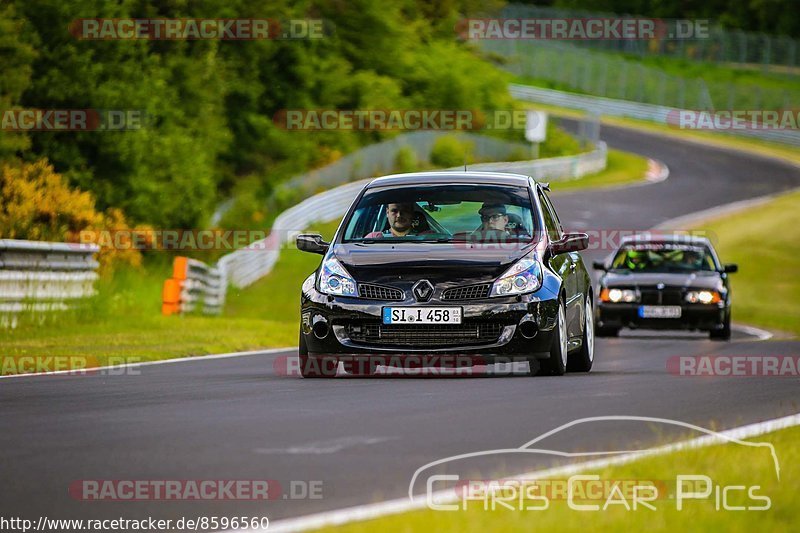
<point x="39" y="205"/>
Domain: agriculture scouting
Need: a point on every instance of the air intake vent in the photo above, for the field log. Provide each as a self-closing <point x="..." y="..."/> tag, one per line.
<point x="378" y="292"/>
<point x="425" y="335"/>
<point x="470" y="292"/>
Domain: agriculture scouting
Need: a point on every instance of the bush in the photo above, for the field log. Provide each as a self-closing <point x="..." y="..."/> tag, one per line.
<point x="406" y="160"/>
<point x="449" y="151"/>
<point x="559" y="143"/>
<point x="38" y="205"/>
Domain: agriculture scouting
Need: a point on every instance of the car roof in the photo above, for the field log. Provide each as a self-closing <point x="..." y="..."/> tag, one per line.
<point x="681" y="238"/>
<point x="451" y="177"/>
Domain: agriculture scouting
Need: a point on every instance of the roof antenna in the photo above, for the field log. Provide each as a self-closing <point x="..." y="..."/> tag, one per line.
<point x="465" y="159"/>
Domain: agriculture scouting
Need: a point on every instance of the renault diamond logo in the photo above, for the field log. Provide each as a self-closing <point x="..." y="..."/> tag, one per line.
<point x="423" y="290"/>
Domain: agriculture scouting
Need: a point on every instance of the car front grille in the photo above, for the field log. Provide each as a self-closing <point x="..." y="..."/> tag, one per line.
<point x="379" y="292"/>
<point x="470" y="292"/>
<point x="666" y="296"/>
<point x="425" y="335"/>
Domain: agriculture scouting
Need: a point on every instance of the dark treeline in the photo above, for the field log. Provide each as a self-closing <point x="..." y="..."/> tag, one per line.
<point x="209" y="104"/>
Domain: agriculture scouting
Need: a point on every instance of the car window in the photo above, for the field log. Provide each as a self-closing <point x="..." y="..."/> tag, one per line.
<point x="550" y="217"/>
<point x="662" y="257"/>
<point x="443" y="212"/>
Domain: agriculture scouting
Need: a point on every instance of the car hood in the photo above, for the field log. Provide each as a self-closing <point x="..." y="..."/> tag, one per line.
<point x="701" y="279"/>
<point x="453" y="263"/>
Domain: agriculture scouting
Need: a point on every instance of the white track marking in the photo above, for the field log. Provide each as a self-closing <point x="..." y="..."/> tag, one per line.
<point x="326" y="446"/>
<point x="656" y="171"/>
<point x="189" y="359"/>
<point x="761" y="334"/>
<point x="402" y="505"/>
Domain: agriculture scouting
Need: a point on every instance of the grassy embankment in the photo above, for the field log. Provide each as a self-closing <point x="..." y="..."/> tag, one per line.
<point x="726" y="465"/>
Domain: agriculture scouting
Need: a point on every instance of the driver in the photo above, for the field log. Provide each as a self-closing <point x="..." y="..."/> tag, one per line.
<point x="693" y="259"/>
<point x="401" y="221"/>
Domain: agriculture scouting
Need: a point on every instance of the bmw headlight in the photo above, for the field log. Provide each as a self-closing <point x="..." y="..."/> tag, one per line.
<point x="335" y="280"/>
<point x="524" y="276"/>
<point x="703" y="297"/>
<point x="618" y="295"/>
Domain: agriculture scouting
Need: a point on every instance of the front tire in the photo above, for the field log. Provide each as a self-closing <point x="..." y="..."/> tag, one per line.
<point x="313" y="367"/>
<point x="583" y="360"/>
<point x="556" y="364"/>
<point x="723" y="334"/>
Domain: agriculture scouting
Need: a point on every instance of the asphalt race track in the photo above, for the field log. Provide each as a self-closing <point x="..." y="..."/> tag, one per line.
<point x="241" y="418"/>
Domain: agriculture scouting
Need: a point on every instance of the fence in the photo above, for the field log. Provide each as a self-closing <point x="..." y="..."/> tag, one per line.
<point x="566" y="66"/>
<point x="43" y="276"/>
<point x="194" y="286"/>
<point x="719" y="46"/>
<point x="244" y="267"/>
<point x="621" y="108"/>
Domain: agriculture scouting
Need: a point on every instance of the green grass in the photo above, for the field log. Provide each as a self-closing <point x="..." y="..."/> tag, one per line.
<point x="763" y="241"/>
<point x="727" y="465"/>
<point x="125" y="319"/>
<point x="774" y="77"/>
<point x="623" y="168"/>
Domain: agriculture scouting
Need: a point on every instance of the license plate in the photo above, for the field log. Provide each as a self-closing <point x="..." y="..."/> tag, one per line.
<point x="660" y="311"/>
<point x="422" y="315"/>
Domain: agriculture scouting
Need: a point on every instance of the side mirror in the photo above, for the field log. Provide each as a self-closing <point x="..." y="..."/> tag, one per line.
<point x="599" y="265"/>
<point x="570" y="242"/>
<point x="730" y="268"/>
<point x="311" y="242"/>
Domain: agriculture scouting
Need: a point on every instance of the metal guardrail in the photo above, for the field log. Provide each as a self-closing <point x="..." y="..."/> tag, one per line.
<point x="44" y="276"/>
<point x="623" y="108"/>
<point x="194" y="286"/>
<point x="381" y="158"/>
<point x="243" y="267"/>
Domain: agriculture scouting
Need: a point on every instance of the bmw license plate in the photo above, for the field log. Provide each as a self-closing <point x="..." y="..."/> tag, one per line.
<point x="422" y="315"/>
<point x="660" y="311"/>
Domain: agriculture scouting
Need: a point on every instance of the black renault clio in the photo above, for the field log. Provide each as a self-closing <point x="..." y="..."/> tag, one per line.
<point x="447" y="268"/>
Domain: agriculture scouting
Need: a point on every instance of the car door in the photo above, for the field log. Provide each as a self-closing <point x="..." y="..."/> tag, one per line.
<point x="566" y="266"/>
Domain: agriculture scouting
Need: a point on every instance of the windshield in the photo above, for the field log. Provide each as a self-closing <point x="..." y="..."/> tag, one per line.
<point x="443" y="213"/>
<point x="662" y="257"/>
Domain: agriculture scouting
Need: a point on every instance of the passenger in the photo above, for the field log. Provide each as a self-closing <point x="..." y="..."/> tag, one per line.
<point x="494" y="218"/>
<point x="636" y="260"/>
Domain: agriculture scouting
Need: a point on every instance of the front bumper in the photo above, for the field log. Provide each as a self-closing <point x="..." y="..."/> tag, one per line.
<point x="328" y="322"/>
<point x="693" y="317"/>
